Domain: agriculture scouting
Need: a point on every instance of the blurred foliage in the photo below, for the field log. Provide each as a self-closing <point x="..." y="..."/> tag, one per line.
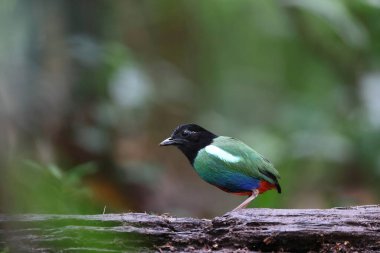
<point x="105" y="81"/>
<point x="33" y="188"/>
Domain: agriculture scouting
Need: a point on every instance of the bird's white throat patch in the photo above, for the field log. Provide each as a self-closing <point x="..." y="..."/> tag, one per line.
<point x="221" y="154"/>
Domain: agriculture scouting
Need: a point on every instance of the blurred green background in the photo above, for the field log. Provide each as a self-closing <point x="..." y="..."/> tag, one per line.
<point x="89" y="88"/>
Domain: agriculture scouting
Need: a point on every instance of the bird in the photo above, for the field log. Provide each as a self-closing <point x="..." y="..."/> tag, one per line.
<point x="225" y="162"/>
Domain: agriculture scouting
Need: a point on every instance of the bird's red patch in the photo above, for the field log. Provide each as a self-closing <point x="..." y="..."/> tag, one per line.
<point x="265" y="186"/>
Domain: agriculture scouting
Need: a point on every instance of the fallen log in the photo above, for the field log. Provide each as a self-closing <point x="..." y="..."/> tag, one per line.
<point x="345" y="229"/>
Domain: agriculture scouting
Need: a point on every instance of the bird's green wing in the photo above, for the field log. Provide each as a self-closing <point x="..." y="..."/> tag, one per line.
<point x="239" y="157"/>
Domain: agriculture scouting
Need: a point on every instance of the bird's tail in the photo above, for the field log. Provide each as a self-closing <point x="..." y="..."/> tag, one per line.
<point x="278" y="187"/>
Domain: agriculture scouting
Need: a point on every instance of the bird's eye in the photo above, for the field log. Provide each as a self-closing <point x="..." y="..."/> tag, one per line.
<point x="185" y="134"/>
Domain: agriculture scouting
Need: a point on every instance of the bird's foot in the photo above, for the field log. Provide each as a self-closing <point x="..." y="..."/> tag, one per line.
<point x="255" y="193"/>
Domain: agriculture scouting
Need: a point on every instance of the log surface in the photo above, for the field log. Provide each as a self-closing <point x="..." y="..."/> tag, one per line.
<point x="347" y="229"/>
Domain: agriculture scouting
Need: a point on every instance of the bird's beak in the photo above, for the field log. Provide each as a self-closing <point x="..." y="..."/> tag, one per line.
<point x="168" y="141"/>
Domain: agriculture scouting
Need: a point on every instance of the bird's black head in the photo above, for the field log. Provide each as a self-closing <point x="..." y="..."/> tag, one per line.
<point x="189" y="138"/>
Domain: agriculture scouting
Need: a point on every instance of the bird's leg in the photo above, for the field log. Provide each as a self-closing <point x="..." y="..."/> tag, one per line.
<point x="248" y="200"/>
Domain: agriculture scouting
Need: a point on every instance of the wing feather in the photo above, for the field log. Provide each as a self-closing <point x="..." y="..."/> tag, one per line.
<point x="251" y="162"/>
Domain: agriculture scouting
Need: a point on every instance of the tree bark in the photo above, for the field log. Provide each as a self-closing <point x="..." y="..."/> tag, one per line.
<point x="346" y="229"/>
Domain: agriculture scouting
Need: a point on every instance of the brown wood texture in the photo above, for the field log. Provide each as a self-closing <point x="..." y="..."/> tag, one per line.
<point x="346" y="229"/>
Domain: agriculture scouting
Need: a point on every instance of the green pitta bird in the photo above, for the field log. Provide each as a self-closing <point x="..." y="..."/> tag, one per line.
<point x="225" y="162"/>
